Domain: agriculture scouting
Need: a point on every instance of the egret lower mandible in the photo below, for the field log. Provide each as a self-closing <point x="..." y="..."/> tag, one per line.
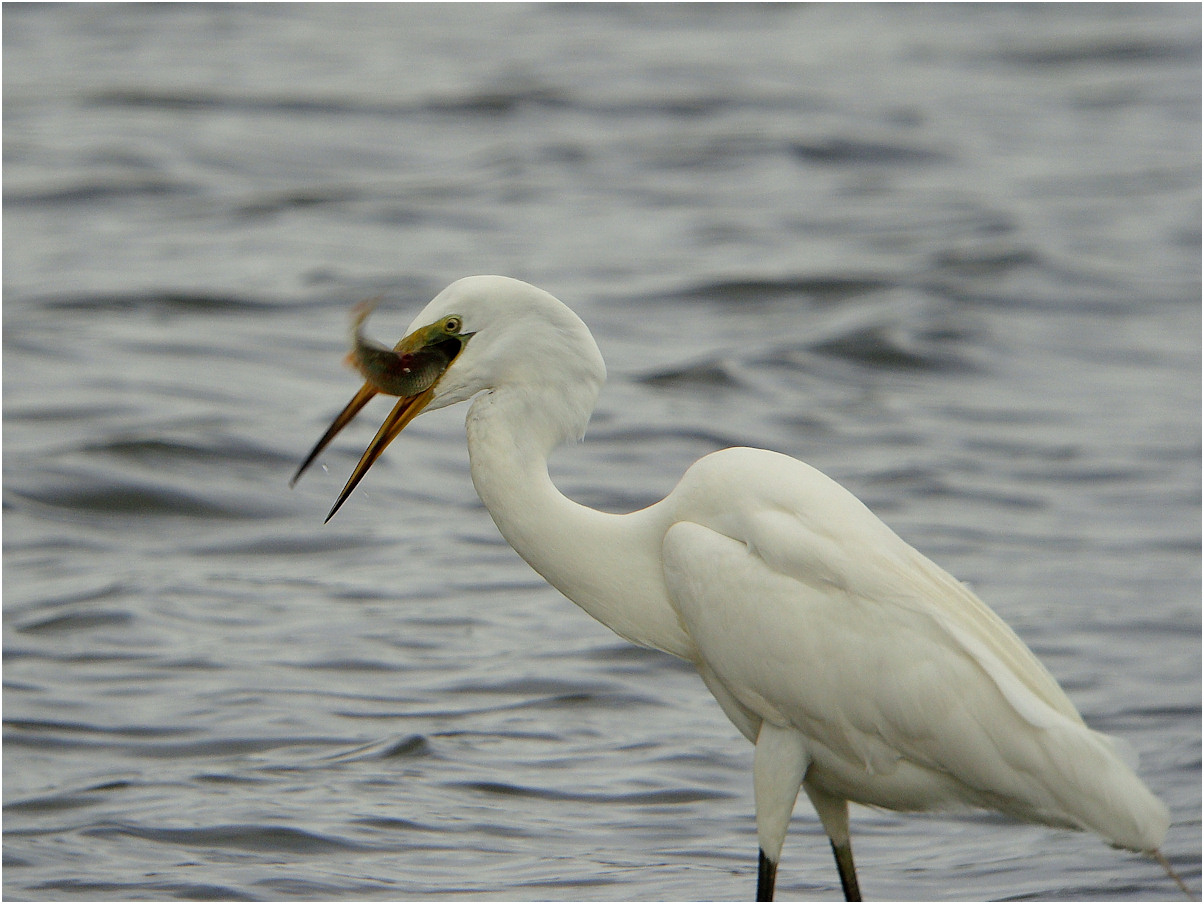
<point x="859" y="669"/>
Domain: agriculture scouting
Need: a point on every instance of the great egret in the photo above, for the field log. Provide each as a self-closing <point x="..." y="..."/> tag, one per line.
<point x="859" y="669"/>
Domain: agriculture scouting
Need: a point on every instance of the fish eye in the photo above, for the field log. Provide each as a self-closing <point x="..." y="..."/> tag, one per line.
<point x="452" y="325"/>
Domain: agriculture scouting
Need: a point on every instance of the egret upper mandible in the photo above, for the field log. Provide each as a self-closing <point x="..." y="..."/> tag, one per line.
<point x="860" y="670"/>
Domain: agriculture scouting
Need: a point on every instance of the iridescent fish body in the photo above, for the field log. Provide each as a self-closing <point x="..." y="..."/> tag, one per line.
<point x="407" y="369"/>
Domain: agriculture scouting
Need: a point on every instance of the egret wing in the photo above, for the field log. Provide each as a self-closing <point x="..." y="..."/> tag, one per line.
<point x="911" y="693"/>
<point x="801" y="524"/>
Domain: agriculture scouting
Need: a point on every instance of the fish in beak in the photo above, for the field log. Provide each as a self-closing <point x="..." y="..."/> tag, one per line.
<point x="409" y="370"/>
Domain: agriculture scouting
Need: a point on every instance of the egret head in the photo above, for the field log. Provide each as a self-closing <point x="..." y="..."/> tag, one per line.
<point x="478" y="334"/>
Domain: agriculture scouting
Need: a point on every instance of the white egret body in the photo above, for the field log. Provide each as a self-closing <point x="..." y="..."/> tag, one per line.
<point x="860" y="670"/>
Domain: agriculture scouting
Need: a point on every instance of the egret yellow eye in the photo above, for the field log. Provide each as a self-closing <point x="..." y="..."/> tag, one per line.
<point x="452" y="325"/>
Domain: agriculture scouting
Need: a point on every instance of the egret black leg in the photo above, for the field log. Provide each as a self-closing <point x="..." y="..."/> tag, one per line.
<point x="767" y="872"/>
<point x="848" y="875"/>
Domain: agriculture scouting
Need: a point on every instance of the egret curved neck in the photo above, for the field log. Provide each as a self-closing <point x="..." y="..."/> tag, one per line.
<point x="609" y="565"/>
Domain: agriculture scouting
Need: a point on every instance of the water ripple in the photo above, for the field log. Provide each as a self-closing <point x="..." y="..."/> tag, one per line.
<point x="640" y="798"/>
<point x="256" y="838"/>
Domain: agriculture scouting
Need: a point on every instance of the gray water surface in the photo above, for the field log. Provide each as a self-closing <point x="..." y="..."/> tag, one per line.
<point x="949" y="255"/>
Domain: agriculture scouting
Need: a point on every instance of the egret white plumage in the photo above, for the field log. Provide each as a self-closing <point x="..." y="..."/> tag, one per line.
<point x="860" y="670"/>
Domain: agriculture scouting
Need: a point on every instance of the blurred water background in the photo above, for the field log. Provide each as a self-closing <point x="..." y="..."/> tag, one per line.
<point x="950" y="255"/>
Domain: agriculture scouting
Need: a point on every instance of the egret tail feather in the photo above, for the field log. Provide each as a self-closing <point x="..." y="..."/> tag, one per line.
<point x="1170" y="871"/>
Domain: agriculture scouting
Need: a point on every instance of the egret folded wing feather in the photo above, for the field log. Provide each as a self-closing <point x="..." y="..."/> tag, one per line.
<point x="911" y="692"/>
